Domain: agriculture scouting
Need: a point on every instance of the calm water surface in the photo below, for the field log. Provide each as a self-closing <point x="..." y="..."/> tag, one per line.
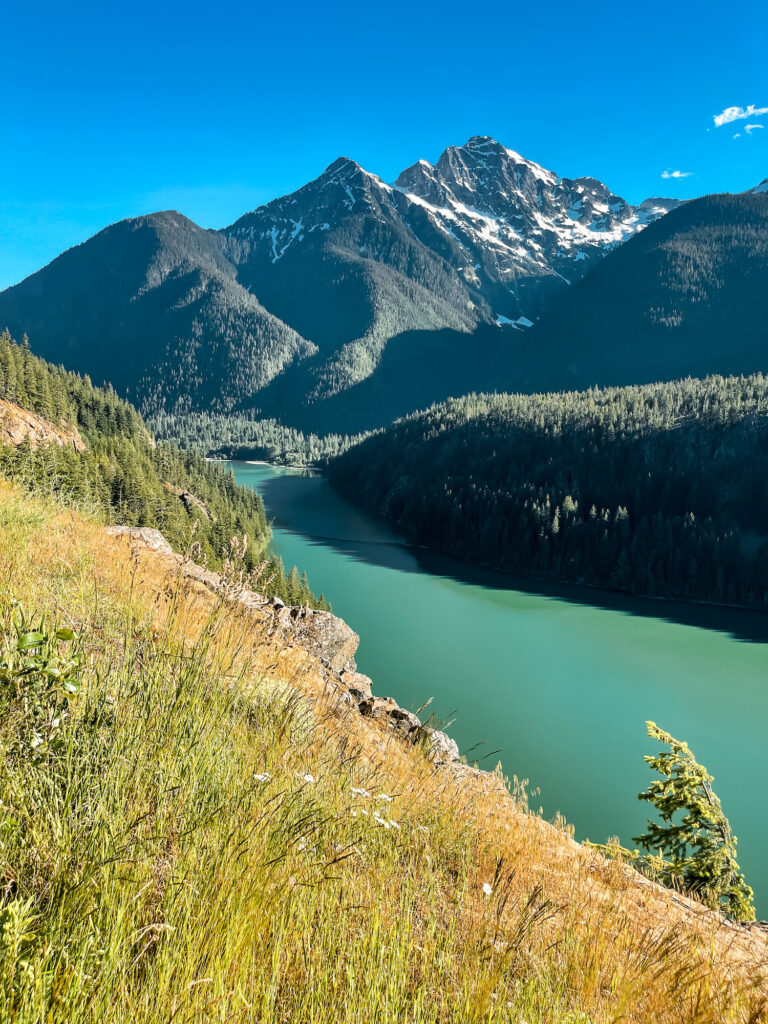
<point x="557" y="683"/>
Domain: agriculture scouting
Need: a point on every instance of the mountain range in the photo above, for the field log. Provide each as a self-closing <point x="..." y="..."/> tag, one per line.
<point x="339" y="306"/>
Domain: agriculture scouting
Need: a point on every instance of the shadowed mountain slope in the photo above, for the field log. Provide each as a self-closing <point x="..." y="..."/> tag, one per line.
<point x="293" y="307"/>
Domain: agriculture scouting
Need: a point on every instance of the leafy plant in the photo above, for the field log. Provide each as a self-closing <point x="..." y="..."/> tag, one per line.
<point x="39" y="674"/>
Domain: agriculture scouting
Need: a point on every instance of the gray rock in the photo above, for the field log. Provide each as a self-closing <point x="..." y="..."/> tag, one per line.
<point x="209" y="579"/>
<point x="404" y="721"/>
<point x="321" y="634"/>
<point x="441" y="749"/>
<point x="358" y="696"/>
<point x="378" y="707"/>
<point x="143" y="535"/>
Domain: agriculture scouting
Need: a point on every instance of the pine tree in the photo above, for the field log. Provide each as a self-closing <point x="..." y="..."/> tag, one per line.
<point x="693" y="846"/>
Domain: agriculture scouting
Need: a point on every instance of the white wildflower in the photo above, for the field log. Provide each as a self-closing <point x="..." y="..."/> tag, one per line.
<point x="262" y="777"/>
<point x="487" y="888"/>
<point x="360" y="792"/>
<point x="383" y="796"/>
<point x="353" y="813"/>
<point x="309" y="779"/>
<point x="394" y="824"/>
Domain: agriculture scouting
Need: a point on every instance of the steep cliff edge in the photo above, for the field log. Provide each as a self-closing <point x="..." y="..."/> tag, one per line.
<point x="330" y="644"/>
<point x="326" y="638"/>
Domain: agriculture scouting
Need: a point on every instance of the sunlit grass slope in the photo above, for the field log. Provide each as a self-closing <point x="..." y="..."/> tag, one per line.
<point x="215" y="837"/>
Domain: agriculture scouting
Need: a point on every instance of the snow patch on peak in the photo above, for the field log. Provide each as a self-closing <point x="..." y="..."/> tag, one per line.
<point x="762" y="187"/>
<point x="536" y="169"/>
<point x="482" y="142"/>
<point x="498" y="220"/>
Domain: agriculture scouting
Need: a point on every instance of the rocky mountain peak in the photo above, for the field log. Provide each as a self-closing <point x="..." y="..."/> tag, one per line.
<point x="508" y="227"/>
<point x="516" y="221"/>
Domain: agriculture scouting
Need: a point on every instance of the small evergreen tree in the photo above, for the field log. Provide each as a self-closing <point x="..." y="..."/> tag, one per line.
<point x="693" y="846"/>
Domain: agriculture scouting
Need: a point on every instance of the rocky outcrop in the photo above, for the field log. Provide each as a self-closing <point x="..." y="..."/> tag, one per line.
<point x="18" y="425"/>
<point x="143" y="535"/>
<point x="439" y="748"/>
<point x="190" y="501"/>
<point x="323" y="636"/>
<point x="334" y="644"/>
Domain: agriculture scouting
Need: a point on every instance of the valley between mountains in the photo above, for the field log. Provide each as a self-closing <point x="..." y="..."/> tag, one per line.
<point x="559" y="401"/>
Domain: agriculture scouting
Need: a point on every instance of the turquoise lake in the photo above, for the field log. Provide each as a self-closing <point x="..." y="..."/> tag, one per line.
<point x="554" y="682"/>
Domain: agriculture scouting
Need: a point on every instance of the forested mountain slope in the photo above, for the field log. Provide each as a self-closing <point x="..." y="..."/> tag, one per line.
<point x="334" y="308"/>
<point x="152" y="306"/>
<point x="123" y="476"/>
<point x="687" y="296"/>
<point x="659" y="490"/>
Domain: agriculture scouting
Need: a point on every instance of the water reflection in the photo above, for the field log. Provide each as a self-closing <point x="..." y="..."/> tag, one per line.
<point x="304" y="502"/>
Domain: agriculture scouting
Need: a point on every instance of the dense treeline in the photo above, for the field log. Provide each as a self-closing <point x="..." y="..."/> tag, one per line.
<point x="124" y="476"/>
<point x="660" y="489"/>
<point x="246" y="436"/>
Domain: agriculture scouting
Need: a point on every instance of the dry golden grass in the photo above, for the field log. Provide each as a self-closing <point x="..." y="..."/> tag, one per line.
<point x="174" y="881"/>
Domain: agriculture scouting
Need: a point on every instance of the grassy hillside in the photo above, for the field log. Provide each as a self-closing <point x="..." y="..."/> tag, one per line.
<point x="199" y="834"/>
<point x="657" y="490"/>
<point x="125" y="477"/>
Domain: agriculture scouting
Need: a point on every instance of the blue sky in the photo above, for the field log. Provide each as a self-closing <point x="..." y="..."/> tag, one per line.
<point x="111" y="110"/>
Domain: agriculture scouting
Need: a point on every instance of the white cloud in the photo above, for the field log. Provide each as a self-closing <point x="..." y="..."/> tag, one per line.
<point x="749" y="128"/>
<point x="676" y="174"/>
<point x="737" y="135"/>
<point x="738" y="114"/>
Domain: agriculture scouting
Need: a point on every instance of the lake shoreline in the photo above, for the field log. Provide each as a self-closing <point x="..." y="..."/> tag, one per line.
<point x="544" y="585"/>
<point x="545" y="581"/>
<point x="556" y="680"/>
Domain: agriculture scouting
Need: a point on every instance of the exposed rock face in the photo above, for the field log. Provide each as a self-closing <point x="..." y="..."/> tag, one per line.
<point x="18" y="425"/>
<point x="442" y="749"/>
<point x="143" y="535"/>
<point x="190" y="501"/>
<point x="322" y="635"/>
<point x="518" y="229"/>
<point x="356" y="682"/>
<point x="439" y="748"/>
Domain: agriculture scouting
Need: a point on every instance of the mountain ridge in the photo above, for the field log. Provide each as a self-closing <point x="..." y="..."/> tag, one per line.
<point x="687" y="297"/>
<point x="290" y="310"/>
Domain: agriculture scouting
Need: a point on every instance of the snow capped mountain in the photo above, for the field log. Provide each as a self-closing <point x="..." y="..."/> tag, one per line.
<point x="510" y="230"/>
<point x="524" y="212"/>
<point x="343" y="188"/>
<point x="762" y="187"/>
<point x="339" y="306"/>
